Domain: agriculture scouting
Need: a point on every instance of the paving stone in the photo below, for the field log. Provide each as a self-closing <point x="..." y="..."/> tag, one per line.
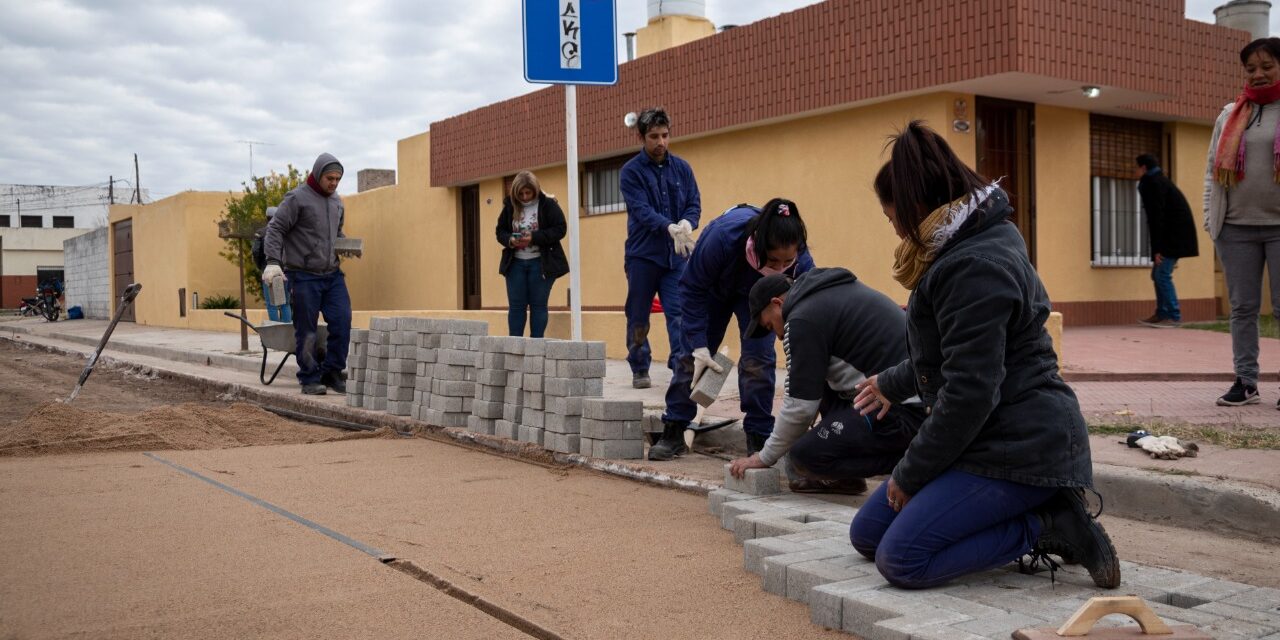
<point x="841" y="515"/>
<point x="755" y="551"/>
<point x="1228" y="629"/>
<point x="1258" y="599"/>
<point x="533" y="418"/>
<point x="455" y="342"/>
<point x="563" y="406"/>
<point x="1229" y="610"/>
<point x="355" y="400"/>
<point x="530" y="434"/>
<point x="708" y="387"/>
<point x="732" y="510"/>
<point x="489" y="410"/>
<point x="405" y="352"/>
<point x="925" y="619"/>
<point x="804" y="576"/>
<point x="717" y="497"/>
<point x="826" y="602"/>
<point x="512" y="412"/>
<point x="468" y="327"/>
<point x="556" y="423"/>
<point x="400" y="394"/>
<point x="404" y="337"/>
<point x="492" y="376"/>
<point x="397" y="408"/>
<point x="1000" y="625"/>
<point x="776" y="567"/>
<point x="618" y="449"/>
<point x="359" y="335"/>
<point x="566" y="350"/>
<point x="489" y="394"/>
<point x="476" y="424"/>
<point x="578" y="368"/>
<point x="457" y="357"/>
<point x="446" y="403"/>
<point x="564" y="387"/>
<point x="514" y="396"/>
<point x="531" y="382"/>
<point x="610" y="409"/>
<point x="459" y="388"/>
<point x="515" y="363"/>
<point x="377" y="403"/>
<point x="1207" y="591"/>
<point x="778" y="526"/>
<point x="506" y="429"/>
<point x="593" y="388"/>
<point x="1171" y="614"/>
<point x="533" y="400"/>
<point x="863" y="609"/>
<point x="533" y="364"/>
<point x="561" y="442"/>
<point x="586" y="446"/>
<point x="429" y="341"/>
<point x="757" y="482"/>
<point x="610" y="429"/>
<point x="402" y="365"/>
<point x="452" y="372"/>
<point x="377" y="324"/>
<point x="1158" y="578"/>
<point x="455" y="419"/>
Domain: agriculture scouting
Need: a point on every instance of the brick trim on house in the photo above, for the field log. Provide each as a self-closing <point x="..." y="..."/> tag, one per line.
<point x="845" y="52"/>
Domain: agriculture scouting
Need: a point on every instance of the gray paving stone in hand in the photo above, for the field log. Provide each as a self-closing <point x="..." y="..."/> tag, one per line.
<point x="709" y="386"/>
<point x="758" y="482"/>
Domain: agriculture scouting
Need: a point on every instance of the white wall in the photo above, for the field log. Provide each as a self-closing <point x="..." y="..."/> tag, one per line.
<point x="87" y="270"/>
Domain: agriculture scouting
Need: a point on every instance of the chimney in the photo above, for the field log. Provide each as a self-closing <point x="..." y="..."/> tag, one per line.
<point x="367" y="179"/>
<point x="673" y="23"/>
<point x="1253" y="16"/>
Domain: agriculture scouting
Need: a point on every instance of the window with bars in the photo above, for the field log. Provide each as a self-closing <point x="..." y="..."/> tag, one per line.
<point x="1120" y="237"/>
<point x="64" y="222"/>
<point x="604" y="185"/>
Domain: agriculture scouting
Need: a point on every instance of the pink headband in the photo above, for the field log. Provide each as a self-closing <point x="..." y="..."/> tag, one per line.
<point x="784" y="210"/>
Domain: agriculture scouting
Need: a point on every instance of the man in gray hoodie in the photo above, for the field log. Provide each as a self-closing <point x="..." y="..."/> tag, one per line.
<point x="835" y="331"/>
<point x="299" y="244"/>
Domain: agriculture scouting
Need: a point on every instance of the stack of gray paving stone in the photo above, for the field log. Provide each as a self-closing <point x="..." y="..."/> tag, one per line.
<point x="532" y="416"/>
<point x="379" y="346"/>
<point x="491" y="384"/>
<point x="428" y="350"/>
<point x="454" y="374"/>
<point x="571" y="371"/>
<point x="402" y="366"/>
<point x="357" y="361"/>
<point x="611" y="429"/>
<point x="512" y="356"/>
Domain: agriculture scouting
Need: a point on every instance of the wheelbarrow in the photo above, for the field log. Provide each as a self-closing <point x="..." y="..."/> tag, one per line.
<point x="277" y="336"/>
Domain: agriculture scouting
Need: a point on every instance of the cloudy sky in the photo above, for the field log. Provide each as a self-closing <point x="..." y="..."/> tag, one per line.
<point x="88" y="84"/>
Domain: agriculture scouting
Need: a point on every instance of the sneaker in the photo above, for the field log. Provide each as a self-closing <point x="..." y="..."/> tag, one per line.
<point x="1155" y="317"/>
<point x="1162" y="323"/>
<point x="848" y="486"/>
<point x="1240" y="394"/>
<point x="1070" y="532"/>
<point x="314" y="389"/>
<point x="672" y="443"/>
<point x="640" y="380"/>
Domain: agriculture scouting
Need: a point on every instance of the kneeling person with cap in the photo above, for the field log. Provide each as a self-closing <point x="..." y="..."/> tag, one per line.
<point x="299" y="244"/>
<point x="834" y="329"/>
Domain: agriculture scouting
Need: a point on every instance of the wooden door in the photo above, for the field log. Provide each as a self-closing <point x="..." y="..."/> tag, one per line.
<point x="122" y="272"/>
<point x="469" y="203"/>
<point x="1006" y="149"/>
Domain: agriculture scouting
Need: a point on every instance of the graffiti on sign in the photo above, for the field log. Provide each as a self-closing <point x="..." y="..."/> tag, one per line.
<point x="570" y="35"/>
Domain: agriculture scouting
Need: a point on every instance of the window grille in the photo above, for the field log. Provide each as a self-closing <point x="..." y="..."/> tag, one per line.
<point x="1120" y="236"/>
<point x="604" y="186"/>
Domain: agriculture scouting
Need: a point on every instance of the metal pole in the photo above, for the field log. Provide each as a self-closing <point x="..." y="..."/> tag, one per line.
<point x="571" y="165"/>
<point x="244" y="329"/>
<point x="137" y="181"/>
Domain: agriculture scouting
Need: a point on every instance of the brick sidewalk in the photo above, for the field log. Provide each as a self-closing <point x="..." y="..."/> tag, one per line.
<point x="1139" y="350"/>
<point x="1174" y="402"/>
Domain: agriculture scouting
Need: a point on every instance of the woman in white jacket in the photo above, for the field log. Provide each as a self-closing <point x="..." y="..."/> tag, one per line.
<point x="1242" y="206"/>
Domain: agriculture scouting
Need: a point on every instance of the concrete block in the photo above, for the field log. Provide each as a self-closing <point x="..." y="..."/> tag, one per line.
<point x="476" y="424"/>
<point x="530" y="434"/>
<point x="355" y="400"/>
<point x="489" y="344"/>
<point x="776" y="567"/>
<point x="579" y="368"/>
<point x="403" y="365"/>
<point x="611" y="429"/>
<point x="731" y="510"/>
<point x="446" y="403"/>
<point x="744" y="526"/>
<point x="455" y="342"/>
<point x="377" y="324"/>
<point x="532" y="418"/>
<point x="535" y="347"/>
<point x="531" y="382"/>
<point x="404" y="337"/>
<point x="610" y="409"/>
<point x="359" y="335"/>
<point x="456" y="357"/>
<point x="469" y="327"/>
<point x="776" y="526"/>
<point x="557" y="423"/>
<point x="513" y="345"/>
<point x="566" y="350"/>
<point x="709" y="386"/>
<point x="595" y="350"/>
<point x="593" y="388"/>
<point x="717" y="497"/>
<point x="400" y="379"/>
<point x="489" y="410"/>
<point x="586" y="446"/>
<point x="561" y="442"/>
<point x="533" y="364"/>
<point x="512" y="412"/>
<point x="497" y="361"/>
<point x="513" y="395"/>
<point x="515" y="363"/>
<point x="376" y="403"/>
<point x="378" y="377"/>
<point x="506" y="429"/>
<point x="400" y="394"/>
<point x="429" y="340"/>
<point x="757" y="482"/>
<point x="455" y="419"/>
<point x="652" y="423"/>
<point x="755" y="551"/>
<point x="803" y="577"/>
<point x="563" y="406"/>
<point x="406" y="323"/>
<point x="534" y="400"/>
<point x="618" y="449"/>
<point x="489" y="394"/>
<point x="396" y="408"/>
<point x="405" y="351"/>
<point x="452" y="372"/>
<point x="459" y="388"/>
<point x="826" y="602"/>
<point x="564" y="387"/>
<point x="492" y="376"/>
<point x="426" y="356"/>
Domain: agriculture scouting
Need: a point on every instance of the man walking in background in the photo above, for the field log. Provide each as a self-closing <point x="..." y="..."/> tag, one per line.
<point x="1173" y="236"/>
<point x="663" y="209"/>
<point x="299" y="245"/>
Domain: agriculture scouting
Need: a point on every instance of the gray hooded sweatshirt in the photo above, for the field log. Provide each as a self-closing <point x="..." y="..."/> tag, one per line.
<point x="300" y="237"/>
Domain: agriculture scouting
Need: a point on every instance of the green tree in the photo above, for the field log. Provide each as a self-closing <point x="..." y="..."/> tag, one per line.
<point x="246" y="213"/>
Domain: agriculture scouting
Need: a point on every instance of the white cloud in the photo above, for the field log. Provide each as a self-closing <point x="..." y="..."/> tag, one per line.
<point x="89" y="83"/>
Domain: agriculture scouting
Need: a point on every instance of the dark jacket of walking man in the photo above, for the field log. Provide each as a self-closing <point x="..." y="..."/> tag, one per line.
<point x="299" y="245"/>
<point x="835" y="331"/>
<point x="1173" y="236"/>
<point x="663" y="209"/>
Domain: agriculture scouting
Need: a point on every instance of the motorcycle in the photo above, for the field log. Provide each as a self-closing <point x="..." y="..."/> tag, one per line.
<point x="29" y="307"/>
<point x="49" y="305"/>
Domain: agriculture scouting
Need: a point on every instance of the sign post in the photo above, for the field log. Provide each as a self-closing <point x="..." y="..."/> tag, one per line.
<point x="571" y="42"/>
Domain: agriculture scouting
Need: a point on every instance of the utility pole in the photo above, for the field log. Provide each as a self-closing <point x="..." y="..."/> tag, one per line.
<point x="111" y="190"/>
<point x="137" y="182"/>
<point x="251" y="143"/>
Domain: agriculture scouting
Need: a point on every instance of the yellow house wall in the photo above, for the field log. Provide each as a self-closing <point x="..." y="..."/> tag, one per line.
<point x="1063" y="215"/>
<point x="671" y="31"/>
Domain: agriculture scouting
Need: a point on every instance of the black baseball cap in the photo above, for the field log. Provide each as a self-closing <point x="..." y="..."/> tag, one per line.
<point x="762" y="292"/>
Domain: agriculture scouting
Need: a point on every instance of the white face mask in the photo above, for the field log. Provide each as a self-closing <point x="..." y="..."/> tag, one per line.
<point x="754" y="261"/>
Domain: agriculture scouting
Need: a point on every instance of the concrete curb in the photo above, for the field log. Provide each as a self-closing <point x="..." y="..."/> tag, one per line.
<point x="1185" y="501"/>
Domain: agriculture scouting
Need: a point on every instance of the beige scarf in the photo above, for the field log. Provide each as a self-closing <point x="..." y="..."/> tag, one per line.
<point x="911" y="260"/>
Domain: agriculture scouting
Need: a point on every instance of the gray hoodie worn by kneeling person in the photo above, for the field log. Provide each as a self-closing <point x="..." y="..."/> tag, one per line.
<point x="300" y="237"/>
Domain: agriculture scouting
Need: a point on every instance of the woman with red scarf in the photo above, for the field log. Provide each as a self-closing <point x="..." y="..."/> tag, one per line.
<point x="1242" y="206"/>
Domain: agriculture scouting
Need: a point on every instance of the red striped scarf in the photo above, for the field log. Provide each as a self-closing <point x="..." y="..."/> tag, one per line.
<point x="1228" y="163"/>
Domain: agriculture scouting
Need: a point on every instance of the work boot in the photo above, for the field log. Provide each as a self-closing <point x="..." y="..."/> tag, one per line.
<point x="640" y="380"/>
<point x="335" y="381"/>
<point x="672" y="443"/>
<point x="846" y="486"/>
<point x="755" y="442"/>
<point x="1071" y="533"/>
<point x="314" y="389"/>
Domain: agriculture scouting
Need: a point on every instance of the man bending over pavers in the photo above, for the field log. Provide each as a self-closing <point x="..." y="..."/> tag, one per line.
<point x="1000" y="465"/>
<point x="834" y="329"/>
<point x="300" y="248"/>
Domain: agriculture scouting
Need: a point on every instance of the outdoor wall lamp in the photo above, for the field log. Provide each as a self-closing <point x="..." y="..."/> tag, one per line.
<point x="1090" y="91"/>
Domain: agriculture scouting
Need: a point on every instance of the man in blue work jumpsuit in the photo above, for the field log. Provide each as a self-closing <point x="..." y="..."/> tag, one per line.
<point x="663" y="209"/>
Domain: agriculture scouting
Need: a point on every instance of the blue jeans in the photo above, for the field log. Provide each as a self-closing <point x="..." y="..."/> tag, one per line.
<point x="312" y="296"/>
<point x="756" y="371"/>
<point x="644" y="279"/>
<point x="527" y="289"/>
<point x="958" y="524"/>
<point x="1166" y="295"/>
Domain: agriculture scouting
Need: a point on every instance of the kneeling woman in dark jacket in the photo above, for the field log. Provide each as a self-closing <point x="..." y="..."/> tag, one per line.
<point x="997" y="469"/>
<point x="529" y="229"/>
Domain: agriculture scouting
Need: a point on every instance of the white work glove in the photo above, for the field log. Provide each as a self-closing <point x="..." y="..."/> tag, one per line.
<point x="272" y="272"/>
<point x="681" y="237"/>
<point x="1162" y="447"/>
<point x="702" y="361"/>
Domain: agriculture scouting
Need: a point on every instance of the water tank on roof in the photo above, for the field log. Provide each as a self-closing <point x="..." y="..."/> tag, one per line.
<point x="695" y="8"/>
<point x="1253" y="16"/>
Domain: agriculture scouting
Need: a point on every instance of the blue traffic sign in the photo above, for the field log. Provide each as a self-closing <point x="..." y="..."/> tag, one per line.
<point x="570" y="41"/>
